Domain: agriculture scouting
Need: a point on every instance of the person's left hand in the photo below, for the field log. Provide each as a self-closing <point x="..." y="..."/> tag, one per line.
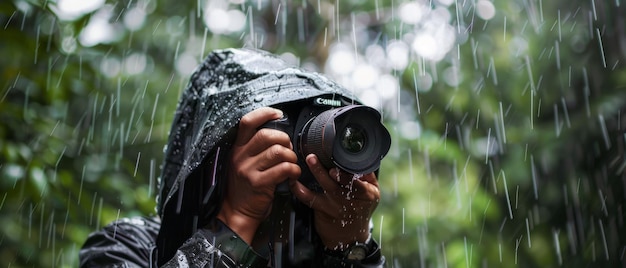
<point x="343" y="210"/>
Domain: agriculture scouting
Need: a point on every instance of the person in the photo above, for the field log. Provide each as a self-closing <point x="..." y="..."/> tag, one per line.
<point x="218" y="203"/>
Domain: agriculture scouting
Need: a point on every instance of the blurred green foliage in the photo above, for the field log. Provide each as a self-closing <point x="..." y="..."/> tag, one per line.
<point x="519" y="164"/>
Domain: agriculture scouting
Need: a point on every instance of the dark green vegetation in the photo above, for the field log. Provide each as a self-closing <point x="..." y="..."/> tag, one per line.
<point x="519" y="159"/>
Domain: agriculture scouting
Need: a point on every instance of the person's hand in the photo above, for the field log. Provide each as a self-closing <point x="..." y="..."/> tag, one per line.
<point x="259" y="160"/>
<point x="343" y="211"/>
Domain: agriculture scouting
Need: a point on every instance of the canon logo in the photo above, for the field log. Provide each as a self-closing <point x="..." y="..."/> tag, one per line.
<point x="328" y="102"/>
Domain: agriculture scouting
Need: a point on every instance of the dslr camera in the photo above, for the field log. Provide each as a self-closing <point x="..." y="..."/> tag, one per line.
<point x="343" y="135"/>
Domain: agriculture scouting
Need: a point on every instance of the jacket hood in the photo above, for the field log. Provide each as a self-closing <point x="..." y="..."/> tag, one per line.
<point x="226" y="86"/>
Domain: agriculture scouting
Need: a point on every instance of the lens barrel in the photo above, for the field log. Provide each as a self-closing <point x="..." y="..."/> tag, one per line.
<point x="350" y="137"/>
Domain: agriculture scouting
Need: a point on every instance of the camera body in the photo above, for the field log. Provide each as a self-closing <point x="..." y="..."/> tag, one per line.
<point x="348" y="136"/>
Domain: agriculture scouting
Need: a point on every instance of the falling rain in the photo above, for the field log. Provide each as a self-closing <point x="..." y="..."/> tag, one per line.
<point x="507" y="118"/>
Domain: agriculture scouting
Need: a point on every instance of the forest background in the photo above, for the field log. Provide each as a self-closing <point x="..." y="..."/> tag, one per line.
<point x="507" y="117"/>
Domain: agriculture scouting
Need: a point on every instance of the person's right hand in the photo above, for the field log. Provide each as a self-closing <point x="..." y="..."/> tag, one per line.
<point x="259" y="160"/>
<point x="342" y="212"/>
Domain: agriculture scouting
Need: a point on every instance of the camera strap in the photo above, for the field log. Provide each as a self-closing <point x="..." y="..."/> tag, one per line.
<point x="282" y="230"/>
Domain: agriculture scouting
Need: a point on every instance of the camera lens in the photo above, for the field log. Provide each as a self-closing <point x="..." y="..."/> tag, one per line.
<point x="353" y="139"/>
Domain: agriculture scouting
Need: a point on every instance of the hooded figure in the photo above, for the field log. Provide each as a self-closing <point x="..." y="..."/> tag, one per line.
<point x="191" y="229"/>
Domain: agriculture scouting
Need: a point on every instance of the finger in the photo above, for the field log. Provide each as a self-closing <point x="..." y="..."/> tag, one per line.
<point x="370" y="178"/>
<point x="356" y="186"/>
<point x="321" y="174"/>
<point x="341" y="177"/>
<point x="279" y="173"/>
<point x="275" y="155"/>
<point x="265" y="138"/>
<point x="365" y="191"/>
<point x="304" y="195"/>
<point x="250" y="122"/>
<point x="272" y="156"/>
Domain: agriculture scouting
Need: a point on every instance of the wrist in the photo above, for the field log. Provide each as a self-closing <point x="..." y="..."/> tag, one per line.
<point x="244" y="226"/>
<point x="367" y="252"/>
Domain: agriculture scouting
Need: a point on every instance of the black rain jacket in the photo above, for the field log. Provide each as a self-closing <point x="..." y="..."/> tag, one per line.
<point x="186" y="233"/>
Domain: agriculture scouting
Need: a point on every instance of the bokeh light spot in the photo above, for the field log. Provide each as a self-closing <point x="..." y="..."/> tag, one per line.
<point x="73" y="9"/>
<point x="411" y="12"/>
<point x="134" y="19"/>
<point x="398" y="54"/>
<point x="485" y="10"/>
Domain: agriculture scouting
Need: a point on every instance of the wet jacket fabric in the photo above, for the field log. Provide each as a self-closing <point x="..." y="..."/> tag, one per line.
<point x="227" y="85"/>
<point x="123" y="243"/>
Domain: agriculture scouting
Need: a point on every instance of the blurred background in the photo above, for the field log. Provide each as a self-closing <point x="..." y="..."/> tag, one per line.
<point x="507" y="117"/>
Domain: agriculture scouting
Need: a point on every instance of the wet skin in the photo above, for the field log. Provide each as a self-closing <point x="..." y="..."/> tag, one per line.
<point x="263" y="158"/>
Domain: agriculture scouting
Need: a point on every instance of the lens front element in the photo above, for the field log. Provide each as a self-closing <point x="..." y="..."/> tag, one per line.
<point x="353" y="139"/>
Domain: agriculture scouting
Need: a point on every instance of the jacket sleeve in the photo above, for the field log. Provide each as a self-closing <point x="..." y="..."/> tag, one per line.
<point x="216" y="245"/>
<point x="128" y="242"/>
